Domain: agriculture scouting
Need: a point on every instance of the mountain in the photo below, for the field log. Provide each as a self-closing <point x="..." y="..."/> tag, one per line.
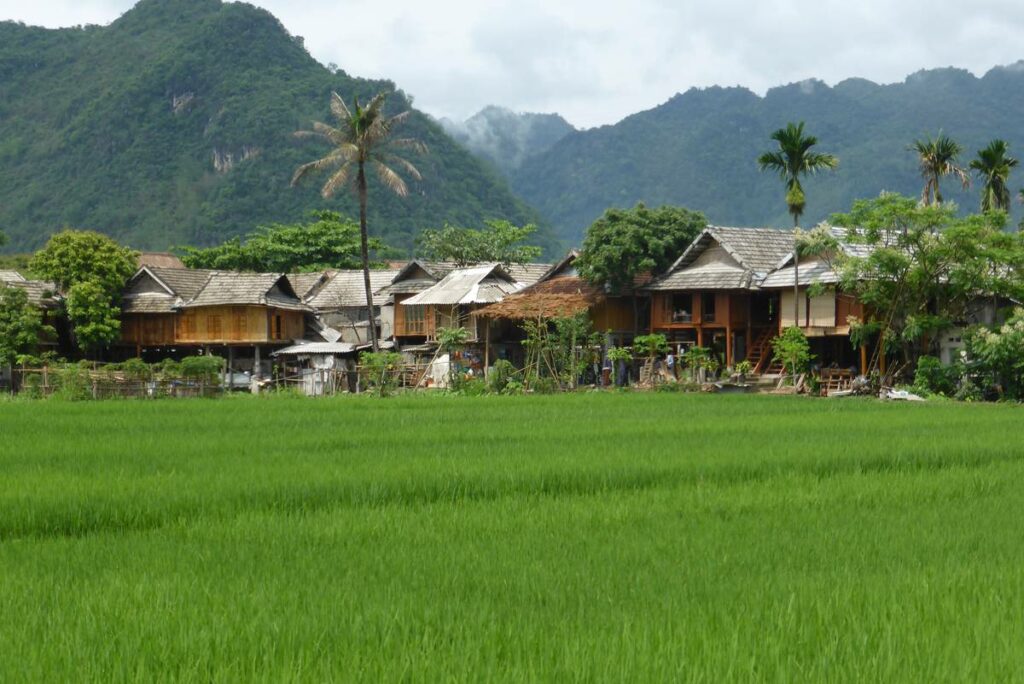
<point x="699" y="148"/>
<point x="506" y="138"/>
<point x="173" y="126"/>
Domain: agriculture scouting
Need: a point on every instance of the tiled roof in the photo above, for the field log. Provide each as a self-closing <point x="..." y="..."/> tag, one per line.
<point x="303" y="283"/>
<point x="7" y="276"/>
<point x="345" y="289"/>
<point x="727" y="259"/>
<point x="240" y="289"/>
<point x="475" y="285"/>
<point x="815" y="269"/>
<point x="41" y="294"/>
<point x="159" y="259"/>
<point x="528" y="274"/>
<point x="408" y="281"/>
<point x="183" y="282"/>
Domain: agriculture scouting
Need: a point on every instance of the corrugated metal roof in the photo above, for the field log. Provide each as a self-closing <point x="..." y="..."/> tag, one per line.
<point x="310" y="348"/>
<point x="8" y="276"/>
<point x="345" y="289"/>
<point x="476" y="285"/>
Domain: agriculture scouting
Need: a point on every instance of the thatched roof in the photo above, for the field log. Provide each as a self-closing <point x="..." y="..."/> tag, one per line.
<point x="159" y="259"/>
<point x="556" y="298"/>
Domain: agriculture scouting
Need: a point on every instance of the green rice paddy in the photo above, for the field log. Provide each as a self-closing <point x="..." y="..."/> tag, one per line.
<point x="592" y="537"/>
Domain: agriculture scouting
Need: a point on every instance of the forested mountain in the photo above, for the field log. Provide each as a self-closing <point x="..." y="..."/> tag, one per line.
<point x="173" y="126"/>
<point x="699" y="148"/>
<point x="506" y="138"/>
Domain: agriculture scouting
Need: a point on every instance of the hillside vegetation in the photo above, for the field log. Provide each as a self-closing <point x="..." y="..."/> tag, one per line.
<point x="172" y="126"/>
<point x="699" y="149"/>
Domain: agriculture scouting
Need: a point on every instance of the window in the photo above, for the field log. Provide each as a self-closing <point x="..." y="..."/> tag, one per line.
<point x="213" y="328"/>
<point x="188" y="326"/>
<point x="682" y="308"/>
<point x="707" y="307"/>
<point x="415" y="320"/>
<point x="240" y="323"/>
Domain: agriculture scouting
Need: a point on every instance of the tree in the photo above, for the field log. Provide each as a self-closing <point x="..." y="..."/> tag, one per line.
<point x="925" y="269"/>
<point x="91" y="270"/>
<point x="791" y="160"/>
<point x="499" y="241"/>
<point x="328" y="242"/>
<point x="362" y="138"/>
<point x="21" y="325"/>
<point x="993" y="167"/>
<point x="625" y="244"/>
<point x="937" y="158"/>
<point x="793" y="350"/>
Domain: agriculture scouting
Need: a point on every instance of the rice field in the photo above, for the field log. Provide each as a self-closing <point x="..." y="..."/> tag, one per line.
<point x="592" y="537"/>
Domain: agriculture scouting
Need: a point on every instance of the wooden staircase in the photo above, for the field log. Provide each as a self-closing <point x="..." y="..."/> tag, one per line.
<point x="760" y="353"/>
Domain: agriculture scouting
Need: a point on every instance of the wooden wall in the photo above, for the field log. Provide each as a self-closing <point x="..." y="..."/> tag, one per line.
<point x="214" y="325"/>
<point x="614" y="313"/>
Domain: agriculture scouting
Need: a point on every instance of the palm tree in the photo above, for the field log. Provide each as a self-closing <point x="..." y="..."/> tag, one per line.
<point x="937" y="158"/>
<point x="792" y="160"/>
<point x="993" y="166"/>
<point x="362" y="138"/>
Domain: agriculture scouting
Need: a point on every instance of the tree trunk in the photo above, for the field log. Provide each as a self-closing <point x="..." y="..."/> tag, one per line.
<point x="365" y="253"/>
<point x="796" y="284"/>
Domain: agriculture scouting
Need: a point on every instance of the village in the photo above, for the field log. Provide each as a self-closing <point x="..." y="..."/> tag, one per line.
<point x="709" y="322"/>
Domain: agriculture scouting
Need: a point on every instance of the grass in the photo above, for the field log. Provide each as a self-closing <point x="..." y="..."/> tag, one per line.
<point x="588" y="537"/>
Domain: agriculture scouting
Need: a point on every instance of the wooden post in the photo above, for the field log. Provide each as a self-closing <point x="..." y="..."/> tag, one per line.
<point x="487" y="346"/>
<point x="863" y="359"/>
<point x="728" y="345"/>
<point x="700" y="336"/>
<point x="231" y="362"/>
<point x="256" y="364"/>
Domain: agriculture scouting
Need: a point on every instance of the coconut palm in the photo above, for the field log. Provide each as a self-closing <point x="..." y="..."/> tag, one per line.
<point x="792" y="160"/>
<point x="937" y="158"/>
<point x="362" y="139"/>
<point x="993" y="167"/>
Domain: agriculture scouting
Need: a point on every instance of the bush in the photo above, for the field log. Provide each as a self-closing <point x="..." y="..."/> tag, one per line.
<point x="793" y="350"/>
<point x="499" y="376"/>
<point x="932" y="377"/>
<point x="203" y="369"/>
<point x="381" y="372"/>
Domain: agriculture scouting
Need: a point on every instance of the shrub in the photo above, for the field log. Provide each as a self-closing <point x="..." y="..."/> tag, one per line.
<point x="499" y="376"/>
<point x="793" y="350"/>
<point x="932" y="377"/>
<point x="381" y="372"/>
<point x="202" y="369"/>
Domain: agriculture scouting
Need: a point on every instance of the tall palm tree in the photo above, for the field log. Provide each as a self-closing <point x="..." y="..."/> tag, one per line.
<point x="993" y="166"/>
<point x="362" y="138"/>
<point x="937" y="158"/>
<point x="792" y="160"/>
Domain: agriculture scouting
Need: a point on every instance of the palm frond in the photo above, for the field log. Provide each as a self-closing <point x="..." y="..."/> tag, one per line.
<point x="404" y="163"/>
<point x="338" y="180"/>
<point x="390" y="179"/>
<point x="338" y="108"/>
<point x="332" y="159"/>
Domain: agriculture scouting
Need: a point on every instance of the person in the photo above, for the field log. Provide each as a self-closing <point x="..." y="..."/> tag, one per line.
<point x="670" y="364"/>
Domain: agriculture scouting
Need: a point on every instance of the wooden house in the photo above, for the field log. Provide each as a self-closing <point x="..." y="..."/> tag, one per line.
<point x="416" y="321"/>
<point x="711" y="295"/>
<point x="338" y="298"/>
<point x="171" y="309"/>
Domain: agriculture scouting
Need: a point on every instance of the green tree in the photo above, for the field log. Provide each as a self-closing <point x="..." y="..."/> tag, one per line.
<point x="793" y="350"/>
<point x="499" y="241"/>
<point x="792" y="160"/>
<point x="21" y="325"/>
<point x="993" y="167"/>
<point x="91" y="270"/>
<point x="75" y="256"/>
<point x="94" y="317"/>
<point x="625" y="244"/>
<point x="362" y="138"/>
<point x="925" y="269"/>
<point x="937" y="158"/>
<point x="327" y="242"/>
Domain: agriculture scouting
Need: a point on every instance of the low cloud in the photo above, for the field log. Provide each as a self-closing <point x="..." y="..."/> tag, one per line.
<point x="596" y="61"/>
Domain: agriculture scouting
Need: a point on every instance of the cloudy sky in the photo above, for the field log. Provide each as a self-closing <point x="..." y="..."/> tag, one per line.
<point x="595" y="61"/>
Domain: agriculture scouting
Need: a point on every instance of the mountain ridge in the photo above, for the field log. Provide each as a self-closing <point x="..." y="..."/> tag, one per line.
<point x="172" y="125"/>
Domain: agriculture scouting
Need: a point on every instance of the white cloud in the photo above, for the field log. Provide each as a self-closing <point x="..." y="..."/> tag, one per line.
<point x="595" y="61"/>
